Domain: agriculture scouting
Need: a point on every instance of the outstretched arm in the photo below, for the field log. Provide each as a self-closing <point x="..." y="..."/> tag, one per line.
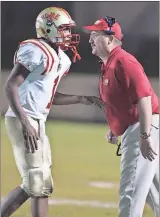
<point x="63" y="99"/>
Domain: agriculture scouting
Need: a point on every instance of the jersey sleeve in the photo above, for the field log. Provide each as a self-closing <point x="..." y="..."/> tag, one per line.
<point x="31" y="57"/>
<point x="131" y="74"/>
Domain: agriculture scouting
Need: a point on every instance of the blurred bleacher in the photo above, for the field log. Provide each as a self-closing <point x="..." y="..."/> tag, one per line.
<point x="140" y="25"/>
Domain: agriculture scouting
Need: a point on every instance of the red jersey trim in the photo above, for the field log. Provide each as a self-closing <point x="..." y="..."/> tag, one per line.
<point x="40" y="45"/>
<point x="49" y="53"/>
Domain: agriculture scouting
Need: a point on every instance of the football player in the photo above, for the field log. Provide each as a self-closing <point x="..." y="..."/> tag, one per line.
<point x="39" y="65"/>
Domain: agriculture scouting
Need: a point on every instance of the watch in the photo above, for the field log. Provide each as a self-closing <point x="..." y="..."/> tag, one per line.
<point x="145" y="135"/>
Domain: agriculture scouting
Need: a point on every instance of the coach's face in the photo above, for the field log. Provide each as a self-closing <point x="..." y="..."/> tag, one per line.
<point x="98" y="43"/>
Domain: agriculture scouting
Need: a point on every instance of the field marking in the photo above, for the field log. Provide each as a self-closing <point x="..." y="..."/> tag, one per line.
<point x="89" y="203"/>
<point x="100" y="184"/>
<point x="82" y="203"/>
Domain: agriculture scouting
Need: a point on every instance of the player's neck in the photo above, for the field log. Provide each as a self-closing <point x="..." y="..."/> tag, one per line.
<point x="50" y="44"/>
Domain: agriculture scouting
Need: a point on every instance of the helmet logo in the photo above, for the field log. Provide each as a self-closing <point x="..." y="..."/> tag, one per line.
<point x="49" y="23"/>
<point x="50" y="16"/>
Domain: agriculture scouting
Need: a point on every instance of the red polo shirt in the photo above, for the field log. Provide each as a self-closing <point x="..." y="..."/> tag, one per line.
<point x="122" y="83"/>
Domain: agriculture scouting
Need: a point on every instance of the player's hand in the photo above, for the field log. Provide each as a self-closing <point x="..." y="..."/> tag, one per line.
<point x="92" y="100"/>
<point x="111" y="138"/>
<point x="30" y="137"/>
<point x="146" y="149"/>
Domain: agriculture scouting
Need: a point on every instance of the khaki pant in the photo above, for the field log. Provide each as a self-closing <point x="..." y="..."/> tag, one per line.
<point x="34" y="168"/>
<point x="139" y="177"/>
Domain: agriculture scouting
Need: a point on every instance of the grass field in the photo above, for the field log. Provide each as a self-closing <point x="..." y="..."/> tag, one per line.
<point x="80" y="155"/>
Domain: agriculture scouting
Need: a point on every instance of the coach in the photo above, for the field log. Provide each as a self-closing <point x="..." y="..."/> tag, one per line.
<point x="132" y="113"/>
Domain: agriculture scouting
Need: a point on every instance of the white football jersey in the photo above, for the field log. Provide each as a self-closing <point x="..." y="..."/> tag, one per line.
<point x="46" y="70"/>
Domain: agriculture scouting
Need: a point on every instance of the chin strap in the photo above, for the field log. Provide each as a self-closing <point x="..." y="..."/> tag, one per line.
<point x="76" y="54"/>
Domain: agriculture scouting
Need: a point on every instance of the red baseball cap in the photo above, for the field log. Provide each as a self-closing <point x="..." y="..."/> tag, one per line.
<point x="102" y="25"/>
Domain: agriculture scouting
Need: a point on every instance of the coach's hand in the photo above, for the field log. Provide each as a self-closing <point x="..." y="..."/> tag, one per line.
<point x="111" y="138"/>
<point x="92" y="100"/>
<point x="146" y="149"/>
<point x="30" y="137"/>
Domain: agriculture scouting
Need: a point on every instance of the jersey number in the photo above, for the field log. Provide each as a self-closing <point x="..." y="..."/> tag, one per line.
<point x="53" y="93"/>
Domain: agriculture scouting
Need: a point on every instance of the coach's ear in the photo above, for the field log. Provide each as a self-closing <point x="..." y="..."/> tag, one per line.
<point x="111" y="38"/>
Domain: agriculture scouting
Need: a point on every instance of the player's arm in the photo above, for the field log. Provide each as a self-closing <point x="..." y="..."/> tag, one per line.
<point x="63" y="99"/>
<point x="27" y="58"/>
<point x="16" y="78"/>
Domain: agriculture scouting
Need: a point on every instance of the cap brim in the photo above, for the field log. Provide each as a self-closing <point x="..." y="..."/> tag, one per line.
<point x="92" y="28"/>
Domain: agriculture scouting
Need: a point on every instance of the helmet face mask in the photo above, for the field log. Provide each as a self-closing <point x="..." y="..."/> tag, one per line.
<point x="55" y="25"/>
<point x="65" y="38"/>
